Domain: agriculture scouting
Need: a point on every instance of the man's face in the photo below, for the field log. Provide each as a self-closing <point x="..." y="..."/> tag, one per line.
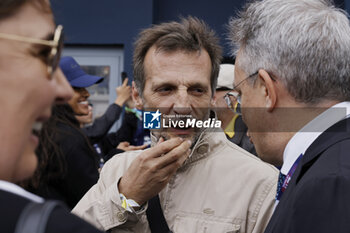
<point x="26" y="92"/>
<point x="260" y="122"/>
<point x="178" y="83"/>
<point x="252" y="105"/>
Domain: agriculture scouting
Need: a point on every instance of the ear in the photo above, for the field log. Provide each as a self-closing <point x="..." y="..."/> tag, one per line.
<point x="268" y="88"/>
<point x="136" y="97"/>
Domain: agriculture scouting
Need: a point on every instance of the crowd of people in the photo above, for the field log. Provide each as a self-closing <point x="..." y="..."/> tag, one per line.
<point x="279" y="163"/>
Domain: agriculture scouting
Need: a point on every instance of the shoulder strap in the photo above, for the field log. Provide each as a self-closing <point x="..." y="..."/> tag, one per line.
<point x="155" y="217"/>
<point x="34" y="217"/>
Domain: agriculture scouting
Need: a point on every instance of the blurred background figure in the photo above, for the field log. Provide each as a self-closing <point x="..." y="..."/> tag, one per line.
<point x="130" y="136"/>
<point x="101" y="125"/>
<point x="133" y="120"/>
<point x="68" y="164"/>
<point x="231" y="123"/>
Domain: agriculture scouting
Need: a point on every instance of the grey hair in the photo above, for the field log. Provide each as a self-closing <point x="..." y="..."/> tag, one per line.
<point x="304" y="43"/>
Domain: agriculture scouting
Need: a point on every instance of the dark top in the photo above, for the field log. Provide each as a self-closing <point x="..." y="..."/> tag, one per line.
<point x="318" y="196"/>
<point x="80" y="163"/>
<point x="60" y="220"/>
<point x="82" y="166"/>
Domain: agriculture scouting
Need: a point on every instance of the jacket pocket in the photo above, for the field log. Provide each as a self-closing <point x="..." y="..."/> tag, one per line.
<point x="199" y="225"/>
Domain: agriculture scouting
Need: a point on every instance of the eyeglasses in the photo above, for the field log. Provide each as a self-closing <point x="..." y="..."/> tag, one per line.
<point x="233" y="101"/>
<point x="56" y="47"/>
<point x="233" y="98"/>
<point x="250" y="76"/>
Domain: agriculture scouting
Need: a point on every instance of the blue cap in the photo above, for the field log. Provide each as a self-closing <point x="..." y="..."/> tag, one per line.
<point x="76" y="75"/>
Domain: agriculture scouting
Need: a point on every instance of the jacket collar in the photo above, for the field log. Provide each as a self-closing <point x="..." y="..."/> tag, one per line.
<point x="204" y="143"/>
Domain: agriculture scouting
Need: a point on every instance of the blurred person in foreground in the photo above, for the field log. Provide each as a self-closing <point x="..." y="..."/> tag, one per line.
<point x="293" y="78"/>
<point x="205" y="182"/>
<point x="30" y="82"/>
<point x="231" y="122"/>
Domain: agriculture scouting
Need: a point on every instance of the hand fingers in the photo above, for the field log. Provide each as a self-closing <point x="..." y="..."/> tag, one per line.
<point x="168" y="171"/>
<point x="142" y="146"/>
<point x="161" y="139"/>
<point x="124" y="143"/>
<point x="164" y="147"/>
<point x="177" y="155"/>
<point x="125" y="83"/>
<point x="137" y="147"/>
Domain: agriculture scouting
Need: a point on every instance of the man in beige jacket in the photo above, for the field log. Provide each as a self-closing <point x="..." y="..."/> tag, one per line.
<point x="205" y="183"/>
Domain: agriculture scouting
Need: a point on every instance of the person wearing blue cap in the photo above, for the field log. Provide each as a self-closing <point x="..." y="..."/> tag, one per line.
<point x="79" y="80"/>
<point x="96" y="133"/>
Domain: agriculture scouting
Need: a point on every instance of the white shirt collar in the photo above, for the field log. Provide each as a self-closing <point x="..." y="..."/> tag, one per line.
<point x="299" y="143"/>
<point x="15" y="189"/>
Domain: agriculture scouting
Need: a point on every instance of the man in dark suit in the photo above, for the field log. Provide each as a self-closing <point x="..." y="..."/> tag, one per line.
<point x="30" y="83"/>
<point x="293" y="78"/>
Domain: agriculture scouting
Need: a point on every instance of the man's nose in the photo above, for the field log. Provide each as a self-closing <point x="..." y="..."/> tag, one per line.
<point x="63" y="89"/>
<point x="182" y="103"/>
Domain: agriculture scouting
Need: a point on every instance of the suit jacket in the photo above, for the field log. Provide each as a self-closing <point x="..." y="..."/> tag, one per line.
<point x="60" y="220"/>
<point x="318" y="196"/>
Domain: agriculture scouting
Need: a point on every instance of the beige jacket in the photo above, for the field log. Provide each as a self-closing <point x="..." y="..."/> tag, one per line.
<point x="220" y="188"/>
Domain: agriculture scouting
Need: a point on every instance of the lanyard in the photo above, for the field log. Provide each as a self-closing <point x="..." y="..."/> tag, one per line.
<point x="286" y="179"/>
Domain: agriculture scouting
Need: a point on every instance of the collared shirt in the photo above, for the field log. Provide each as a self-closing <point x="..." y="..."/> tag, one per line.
<point x="15" y="189"/>
<point x="299" y="143"/>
